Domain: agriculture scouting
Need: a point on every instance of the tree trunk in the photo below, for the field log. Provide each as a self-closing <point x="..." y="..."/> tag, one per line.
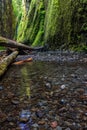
<point x="7" y="61"/>
<point x="13" y="44"/>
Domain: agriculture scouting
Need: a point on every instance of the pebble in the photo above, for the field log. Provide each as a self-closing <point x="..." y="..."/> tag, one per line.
<point x="3" y="117"/>
<point x="39" y="114"/>
<point x="58" y="128"/>
<point x="1" y="88"/>
<point x="48" y="85"/>
<point x="23" y="119"/>
<point x="86" y="113"/>
<point x="54" y="124"/>
<point x="63" y="86"/>
<point x="62" y="101"/>
<point x="41" y="122"/>
<point x="24" y="116"/>
<point x="35" y="125"/>
<point x="15" y="102"/>
<point x="68" y="128"/>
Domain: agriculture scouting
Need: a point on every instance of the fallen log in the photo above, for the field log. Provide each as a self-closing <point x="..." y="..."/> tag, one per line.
<point x="7" y="61"/>
<point x="5" y="42"/>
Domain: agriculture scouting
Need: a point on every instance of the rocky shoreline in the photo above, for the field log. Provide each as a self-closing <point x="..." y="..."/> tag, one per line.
<point x="56" y="56"/>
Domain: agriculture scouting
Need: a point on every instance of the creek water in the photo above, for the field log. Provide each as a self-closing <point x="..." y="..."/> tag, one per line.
<point x="45" y="96"/>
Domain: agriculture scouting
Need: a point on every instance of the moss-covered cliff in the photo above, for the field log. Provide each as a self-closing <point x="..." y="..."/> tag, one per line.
<point x="59" y="23"/>
<point x="55" y="22"/>
<point x="7" y="20"/>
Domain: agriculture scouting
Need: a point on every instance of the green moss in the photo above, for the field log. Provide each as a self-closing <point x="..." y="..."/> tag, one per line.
<point x="31" y="27"/>
<point x="38" y="40"/>
<point x="2" y="48"/>
<point x="51" y="18"/>
<point x="54" y="22"/>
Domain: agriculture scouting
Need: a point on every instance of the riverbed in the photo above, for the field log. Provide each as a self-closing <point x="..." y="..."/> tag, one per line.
<point x="49" y="93"/>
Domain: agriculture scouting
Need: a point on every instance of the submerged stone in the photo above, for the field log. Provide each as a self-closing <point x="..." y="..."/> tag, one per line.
<point x="1" y="88"/>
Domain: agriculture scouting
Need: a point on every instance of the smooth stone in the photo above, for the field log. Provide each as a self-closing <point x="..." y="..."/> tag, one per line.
<point x="86" y="113"/>
<point x="1" y="88"/>
<point x="24" y="120"/>
<point x="68" y="128"/>
<point x="39" y="114"/>
<point x="3" y="117"/>
<point x="62" y="101"/>
<point x="24" y="116"/>
<point x="80" y="90"/>
<point x="41" y="122"/>
<point x="63" y="86"/>
<point x="54" y="124"/>
<point x="48" y="85"/>
<point x="35" y="125"/>
<point x="58" y="128"/>
<point x="15" y="102"/>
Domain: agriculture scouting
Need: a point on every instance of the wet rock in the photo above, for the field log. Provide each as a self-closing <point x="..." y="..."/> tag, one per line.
<point x="3" y="117"/>
<point x="46" y="126"/>
<point x="62" y="101"/>
<point x="48" y="85"/>
<point x="39" y="113"/>
<point x="1" y="88"/>
<point x="41" y="122"/>
<point x="80" y="90"/>
<point x="73" y="76"/>
<point x="33" y="116"/>
<point x="10" y="95"/>
<point x="35" y="126"/>
<point x="67" y="123"/>
<point x="86" y="113"/>
<point x="58" y="128"/>
<point x="73" y="103"/>
<point x="23" y="119"/>
<point x="68" y="128"/>
<point x="11" y="123"/>
<point x="33" y="109"/>
<point x="24" y="116"/>
<point x="75" y="126"/>
<point x="63" y="109"/>
<point x="63" y="86"/>
<point x="54" y="124"/>
<point x="15" y="101"/>
<point x="10" y="119"/>
<point x="57" y="118"/>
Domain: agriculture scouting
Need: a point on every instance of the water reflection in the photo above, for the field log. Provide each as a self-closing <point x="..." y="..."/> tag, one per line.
<point x="54" y="90"/>
<point x="25" y="81"/>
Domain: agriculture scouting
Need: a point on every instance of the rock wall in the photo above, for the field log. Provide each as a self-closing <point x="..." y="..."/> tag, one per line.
<point x="6" y="19"/>
<point x="59" y="23"/>
<point x="54" y="22"/>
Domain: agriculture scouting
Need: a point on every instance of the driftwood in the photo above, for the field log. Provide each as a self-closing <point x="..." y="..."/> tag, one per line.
<point x="7" y="61"/>
<point x="13" y="44"/>
<point x="15" y="48"/>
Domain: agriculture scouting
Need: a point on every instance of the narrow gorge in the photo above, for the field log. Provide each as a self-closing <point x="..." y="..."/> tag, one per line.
<point x="60" y="24"/>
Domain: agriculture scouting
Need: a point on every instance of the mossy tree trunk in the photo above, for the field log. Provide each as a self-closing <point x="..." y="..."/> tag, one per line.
<point x="19" y="46"/>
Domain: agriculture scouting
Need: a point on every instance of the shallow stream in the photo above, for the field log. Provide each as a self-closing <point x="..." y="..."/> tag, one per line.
<point x="44" y="95"/>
